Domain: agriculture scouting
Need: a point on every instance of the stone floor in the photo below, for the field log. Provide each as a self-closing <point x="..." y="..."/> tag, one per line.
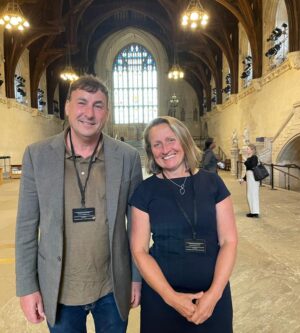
<point x="265" y="283"/>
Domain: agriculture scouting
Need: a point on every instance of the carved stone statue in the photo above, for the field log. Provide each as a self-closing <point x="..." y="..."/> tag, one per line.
<point x="246" y="138"/>
<point x="234" y="139"/>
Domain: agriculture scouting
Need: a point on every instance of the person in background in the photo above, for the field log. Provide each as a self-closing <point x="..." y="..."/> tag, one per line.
<point x="252" y="184"/>
<point x="209" y="159"/>
<point x="189" y="213"/>
<point x="72" y="249"/>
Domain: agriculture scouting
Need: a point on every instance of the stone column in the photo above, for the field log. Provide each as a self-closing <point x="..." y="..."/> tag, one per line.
<point x="234" y="151"/>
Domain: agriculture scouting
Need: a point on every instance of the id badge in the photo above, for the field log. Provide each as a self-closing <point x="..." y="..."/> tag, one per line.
<point x="195" y="245"/>
<point x="83" y="214"/>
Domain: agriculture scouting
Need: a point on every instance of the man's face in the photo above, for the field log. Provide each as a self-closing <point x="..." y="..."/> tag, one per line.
<point x="87" y="113"/>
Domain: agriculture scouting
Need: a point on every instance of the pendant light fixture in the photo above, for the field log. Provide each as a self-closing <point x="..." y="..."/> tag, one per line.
<point x="68" y="74"/>
<point x="175" y="72"/>
<point x="12" y="17"/>
<point x="194" y="16"/>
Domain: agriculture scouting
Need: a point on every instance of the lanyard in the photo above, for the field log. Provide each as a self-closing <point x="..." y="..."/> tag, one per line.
<point x="81" y="187"/>
<point x="193" y="223"/>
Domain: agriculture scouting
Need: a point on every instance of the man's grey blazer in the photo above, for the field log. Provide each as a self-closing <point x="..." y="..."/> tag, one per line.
<point x="40" y="220"/>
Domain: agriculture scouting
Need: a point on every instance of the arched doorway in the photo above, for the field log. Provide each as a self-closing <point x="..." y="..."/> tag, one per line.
<point x="290" y="155"/>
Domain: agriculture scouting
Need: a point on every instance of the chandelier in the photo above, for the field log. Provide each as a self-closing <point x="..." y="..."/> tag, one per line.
<point x="175" y="72"/>
<point x="174" y="101"/>
<point x="68" y="74"/>
<point x="194" y="16"/>
<point x="12" y="17"/>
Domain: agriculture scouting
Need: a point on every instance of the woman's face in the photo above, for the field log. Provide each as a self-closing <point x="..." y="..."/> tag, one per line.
<point x="166" y="148"/>
<point x="250" y="152"/>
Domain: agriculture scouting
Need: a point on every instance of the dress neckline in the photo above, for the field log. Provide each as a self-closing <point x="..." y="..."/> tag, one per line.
<point x="188" y="176"/>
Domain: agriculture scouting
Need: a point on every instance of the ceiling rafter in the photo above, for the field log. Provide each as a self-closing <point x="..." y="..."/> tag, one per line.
<point x="82" y="25"/>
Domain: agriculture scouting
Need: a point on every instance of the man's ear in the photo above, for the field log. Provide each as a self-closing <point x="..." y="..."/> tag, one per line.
<point x="67" y="108"/>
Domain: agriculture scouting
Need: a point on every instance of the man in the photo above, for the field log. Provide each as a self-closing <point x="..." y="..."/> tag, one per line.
<point x="72" y="253"/>
<point x="209" y="159"/>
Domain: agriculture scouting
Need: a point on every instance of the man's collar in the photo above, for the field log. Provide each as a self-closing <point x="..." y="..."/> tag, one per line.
<point x="69" y="154"/>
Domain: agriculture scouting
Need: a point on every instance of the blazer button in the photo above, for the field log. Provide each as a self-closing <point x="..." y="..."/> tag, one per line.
<point x="59" y="258"/>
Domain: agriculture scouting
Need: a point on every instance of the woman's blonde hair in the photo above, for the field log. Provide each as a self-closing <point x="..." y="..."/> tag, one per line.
<point x="191" y="151"/>
<point x="252" y="147"/>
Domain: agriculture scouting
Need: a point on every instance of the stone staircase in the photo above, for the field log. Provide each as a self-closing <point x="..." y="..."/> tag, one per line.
<point x="264" y="150"/>
<point x="288" y="131"/>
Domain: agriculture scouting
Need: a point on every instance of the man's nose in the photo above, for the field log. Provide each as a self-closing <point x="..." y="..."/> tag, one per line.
<point x="89" y="111"/>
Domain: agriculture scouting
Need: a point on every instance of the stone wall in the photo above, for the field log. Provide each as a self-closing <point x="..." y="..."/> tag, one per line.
<point x="20" y="126"/>
<point x="263" y="107"/>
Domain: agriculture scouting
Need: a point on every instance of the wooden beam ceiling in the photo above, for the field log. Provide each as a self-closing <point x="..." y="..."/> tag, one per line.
<point x="81" y="26"/>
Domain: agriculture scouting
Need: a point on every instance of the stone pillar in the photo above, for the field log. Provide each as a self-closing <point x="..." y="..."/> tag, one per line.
<point x="234" y="151"/>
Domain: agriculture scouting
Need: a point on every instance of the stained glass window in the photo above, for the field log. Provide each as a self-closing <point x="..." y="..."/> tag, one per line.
<point x="134" y="86"/>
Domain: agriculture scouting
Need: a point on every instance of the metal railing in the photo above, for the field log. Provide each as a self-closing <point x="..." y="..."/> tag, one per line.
<point x="280" y="175"/>
<point x="221" y="154"/>
<point x="5" y="165"/>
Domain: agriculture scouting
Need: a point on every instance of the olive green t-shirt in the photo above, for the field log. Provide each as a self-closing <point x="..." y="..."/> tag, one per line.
<point x="86" y="274"/>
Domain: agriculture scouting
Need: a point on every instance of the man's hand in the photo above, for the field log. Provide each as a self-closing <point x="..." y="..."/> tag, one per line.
<point x="33" y="308"/>
<point x="135" y="294"/>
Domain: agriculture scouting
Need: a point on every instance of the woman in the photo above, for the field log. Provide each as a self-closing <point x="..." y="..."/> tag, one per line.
<point x="252" y="184"/>
<point x="189" y="213"/>
<point x="209" y="159"/>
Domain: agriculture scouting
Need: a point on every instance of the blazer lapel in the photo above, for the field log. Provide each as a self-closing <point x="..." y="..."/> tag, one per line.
<point x="57" y="171"/>
<point x="113" y="170"/>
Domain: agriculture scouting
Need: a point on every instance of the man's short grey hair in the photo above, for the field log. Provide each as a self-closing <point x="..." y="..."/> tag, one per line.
<point x="88" y="83"/>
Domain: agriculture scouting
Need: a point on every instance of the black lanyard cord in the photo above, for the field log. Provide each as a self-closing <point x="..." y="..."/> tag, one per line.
<point x="83" y="188"/>
<point x="192" y="224"/>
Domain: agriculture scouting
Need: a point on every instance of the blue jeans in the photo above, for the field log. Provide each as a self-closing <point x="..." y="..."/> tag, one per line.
<point x="72" y="319"/>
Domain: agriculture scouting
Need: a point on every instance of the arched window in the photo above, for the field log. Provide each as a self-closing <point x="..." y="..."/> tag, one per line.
<point x="134" y="86"/>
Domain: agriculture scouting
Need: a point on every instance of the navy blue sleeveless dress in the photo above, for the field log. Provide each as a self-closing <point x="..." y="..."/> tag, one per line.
<point x="186" y="272"/>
